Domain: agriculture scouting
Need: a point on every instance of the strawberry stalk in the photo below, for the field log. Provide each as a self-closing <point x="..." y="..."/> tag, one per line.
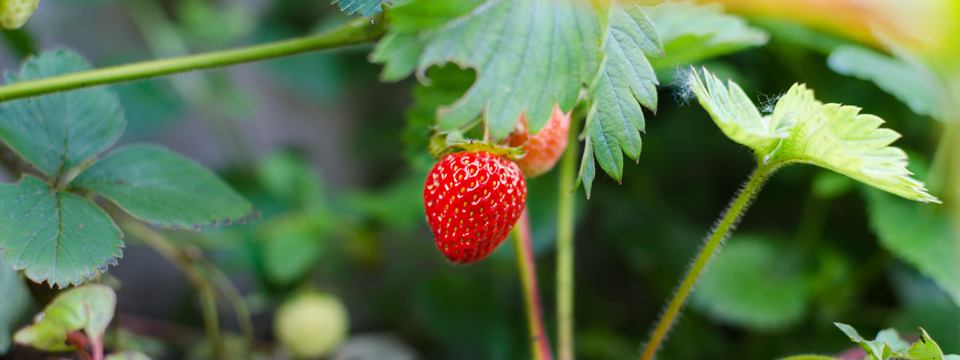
<point x="565" y="225"/>
<point x="539" y="342"/>
<point x="355" y="32"/>
<point x="729" y="221"/>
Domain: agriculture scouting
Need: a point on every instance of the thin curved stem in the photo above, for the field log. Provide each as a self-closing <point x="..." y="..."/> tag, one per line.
<point x="713" y="244"/>
<point x="352" y="33"/>
<point x="565" y="225"/>
<point x="539" y="342"/>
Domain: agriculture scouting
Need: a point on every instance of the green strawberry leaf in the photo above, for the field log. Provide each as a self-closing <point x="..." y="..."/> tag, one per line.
<point x="163" y="188"/>
<point x="803" y="130"/>
<point x="365" y="8"/>
<point x="624" y="82"/>
<point x="926" y="348"/>
<point x="89" y="308"/>
<point x="55" y="236"/>
<point x="751" y="285"/>
<point x="913" y="84"/>
<point x="893" y="339"/>
<point x="15" y="309"/>
<point x="925" y="239"/>
<point x="61" y="131"/>
<point x="876" y="349"/>
<point x="292" y="246"/>
<point x="693" y="32"/>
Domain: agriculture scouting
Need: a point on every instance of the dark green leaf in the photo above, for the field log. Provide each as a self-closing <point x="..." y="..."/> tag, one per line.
<point x="914" y="85"/>
<point x="624" y="82"/>
<point x="163" y="188"/>
<point x="89" y="308"/>
<point x="55" y="236"/>
<point x="448" y="84"/>
<point x="290" y="178"/>
<point x="365" y="8"/>
<point x="692" y="32"/>
<point x="292" y="246"/>
<point x="920" y="236"/>
<point x="60" y="131"/>
<point x="16" y="305"/>
<point x="751" y="285"/>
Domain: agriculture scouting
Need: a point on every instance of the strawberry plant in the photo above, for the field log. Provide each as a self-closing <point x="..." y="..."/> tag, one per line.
<point x="178" y="201"/>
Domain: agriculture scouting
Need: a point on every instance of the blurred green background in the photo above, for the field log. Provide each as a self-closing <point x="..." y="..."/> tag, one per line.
<point x="334" y="160"/>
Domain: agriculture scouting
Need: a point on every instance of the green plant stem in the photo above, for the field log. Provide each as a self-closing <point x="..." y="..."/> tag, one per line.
<point x="565" y="226"/>
<point x="352" y="33"/>
<point x="713" y="244"/>
<point x="208" y="302"/>
<point x="233" y="296"/>
<point x="540" y="344"/>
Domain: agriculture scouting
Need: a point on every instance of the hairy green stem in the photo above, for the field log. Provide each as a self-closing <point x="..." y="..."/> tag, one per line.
<point x="539" y="342"/>
<point x="352" y="33"/>
<point x="713" y="244"/>
<point x="565" y="225"/>
<point x="233" y="295"/>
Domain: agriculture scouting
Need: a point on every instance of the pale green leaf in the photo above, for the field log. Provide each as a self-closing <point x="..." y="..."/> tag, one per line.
<point x="15" y="309"/>
<point x="163" y="188"/>
<point x="920" y="237"/>
<point x="911" y="83"/>
<point x="624" y="82"/>
<point x="365" y="8"/>
<point x="750" y="285"/>
<point x="53" y="236"/>
<point x="732" y="111"/>
<point x="693" y="32"/>
<point x="57" y="132"/>
<point x="89" y="308"/>
<point x="876" y="350"/>
<point x="810" y="357"/>
<point x="893" y="339"/>
<point x="853" y="144"/>
<point x="528" y="54"/>
<point x="127" y="355"/>
<point x="925" y="348"/>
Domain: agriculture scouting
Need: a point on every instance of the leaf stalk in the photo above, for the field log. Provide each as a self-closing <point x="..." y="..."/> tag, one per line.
<point x="728" y="221"/>
<point x="539" y="342"/>
<point x="565" y="227"/>
<point x="352" y="33"/>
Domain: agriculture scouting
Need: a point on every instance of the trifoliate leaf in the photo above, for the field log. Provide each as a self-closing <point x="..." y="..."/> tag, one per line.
<point x="921" y="238"/>
<point x="732" y="111"/>
<point x="57" y="132"/>
<point x="913" y="84"/>
<point x="624" y="82"/>
<point x="802" y="130"/>
<point x="55" y="236"/>
<point x="365" y="8"/>
<point x="876" y="349"/>
<point x="16" y="305"/>
<point x="158" y="186"/>
<point x="750" y="285"/>
<point x="693" y="32"/>
<point x="89" y="308"/>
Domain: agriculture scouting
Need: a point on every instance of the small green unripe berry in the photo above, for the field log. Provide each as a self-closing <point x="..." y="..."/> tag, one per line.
<point x="311" y="324"/>
<point x="14" y="13"/>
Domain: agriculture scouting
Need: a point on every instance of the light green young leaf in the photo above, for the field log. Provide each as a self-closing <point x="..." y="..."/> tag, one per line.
<point x="89" y="308"/>
<point x="127" y="355"/>
<point x="751" y="286"/>
<point x="924" y="239"/>
<point x="624" y="82"/>
<point x="893" y="339"/>
<point x="802" y="130"/>
<point x="913" y="84"/>
<point x="365" y="8"/>
<point x="876" y="350"/>
<point x="925" y="348"/>
<point x="810" y="357"/>
<point x="163" y="188"/>
<point x="54" y="236"/>
<point x="60" y="131"/>
<point x="731" y="109"/>
<point x="693" y="32"/>
<point x="16" y="305"/>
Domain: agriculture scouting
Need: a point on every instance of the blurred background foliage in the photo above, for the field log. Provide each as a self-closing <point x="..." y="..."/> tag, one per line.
<point x="335" y="161"/>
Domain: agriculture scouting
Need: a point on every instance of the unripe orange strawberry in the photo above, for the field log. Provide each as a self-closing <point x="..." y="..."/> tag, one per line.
<point x="473" y="199"/>
<point x="544" y="148"/>
<point x="14" y="13"/>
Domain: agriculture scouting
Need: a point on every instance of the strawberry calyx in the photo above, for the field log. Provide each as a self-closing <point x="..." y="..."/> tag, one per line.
<point x="443" y="143"/>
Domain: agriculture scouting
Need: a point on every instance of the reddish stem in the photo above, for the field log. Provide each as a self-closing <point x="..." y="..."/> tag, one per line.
<point x="528" y="277"/>
<point x="79" y="340"/>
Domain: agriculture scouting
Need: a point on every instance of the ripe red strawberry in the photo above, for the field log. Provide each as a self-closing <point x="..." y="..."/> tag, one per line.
<point x="544" y="148"/>
<point x="473" y="199"/>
